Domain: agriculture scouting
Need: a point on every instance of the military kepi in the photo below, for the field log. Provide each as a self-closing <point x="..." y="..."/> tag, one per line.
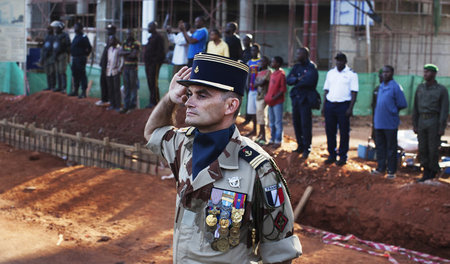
<point x="218" y="72"/>
<point x="431" y="67"/>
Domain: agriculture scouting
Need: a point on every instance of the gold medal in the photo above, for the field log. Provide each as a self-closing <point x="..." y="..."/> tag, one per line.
<point x="223" y="244"/>
<point x="224" y="223"/>
<point x="234" y="231"/>
<point x="236" y="224"/>
<point x="211" y="220"/>
<point x="223" y="231"/>
<point x="237" y="218"/>
<point x="234" y="241"/>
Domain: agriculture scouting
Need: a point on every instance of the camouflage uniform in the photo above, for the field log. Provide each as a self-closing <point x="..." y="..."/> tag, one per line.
<point x="429" y="120"/>
<point x="243" y="170"/>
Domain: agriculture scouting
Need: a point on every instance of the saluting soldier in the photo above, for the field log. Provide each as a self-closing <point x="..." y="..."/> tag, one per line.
<point x="233" y="203"/>
<point x="429" y="120"/>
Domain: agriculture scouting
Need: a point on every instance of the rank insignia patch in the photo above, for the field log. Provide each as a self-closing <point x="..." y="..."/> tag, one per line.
<point x="274" y="195"/>
<point x="280" y="222"/>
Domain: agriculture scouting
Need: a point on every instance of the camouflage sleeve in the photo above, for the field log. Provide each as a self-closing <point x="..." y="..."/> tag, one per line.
<point x="163" y="141"/>
<point x="278" y="242"/>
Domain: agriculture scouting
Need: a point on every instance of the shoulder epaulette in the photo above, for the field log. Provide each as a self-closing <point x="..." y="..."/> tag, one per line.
<point x="187" y="130"/>
<point x="253" y="157"/>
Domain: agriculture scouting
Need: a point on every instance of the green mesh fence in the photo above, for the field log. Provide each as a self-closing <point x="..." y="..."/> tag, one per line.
<point x="12" y="82"/>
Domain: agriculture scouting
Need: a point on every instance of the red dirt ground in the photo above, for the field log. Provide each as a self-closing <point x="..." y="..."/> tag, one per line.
<point x="85" y="204"/>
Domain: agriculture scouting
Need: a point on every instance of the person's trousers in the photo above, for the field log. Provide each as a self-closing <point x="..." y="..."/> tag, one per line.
<point x="50" y="71"/>
<point x="335" y="117"/>
<point x="386" y="143"/>
<point x="429" y="142"/>
<point x="276" y="123"/>
<point x="103" y="86"/>
<point x="152" y="72"/>
<point x="302" y="121"/>
<point x="79" y="73"/>
<point x="115" y="98"/>
<point x="130" y="76"/>
<point x="61" y="66"/>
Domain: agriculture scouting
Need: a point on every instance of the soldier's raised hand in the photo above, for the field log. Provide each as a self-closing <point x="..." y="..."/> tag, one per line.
<point x="177" y="92"/>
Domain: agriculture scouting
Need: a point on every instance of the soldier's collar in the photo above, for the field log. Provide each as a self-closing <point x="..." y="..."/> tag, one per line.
<point x="229" y="158"/>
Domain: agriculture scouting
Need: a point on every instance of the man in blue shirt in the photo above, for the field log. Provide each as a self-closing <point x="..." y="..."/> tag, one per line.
<point x="197" y="41"/>
<point x="80" y="49"/>
<point x="304" y="77"/>
<point x="390" y="101"/>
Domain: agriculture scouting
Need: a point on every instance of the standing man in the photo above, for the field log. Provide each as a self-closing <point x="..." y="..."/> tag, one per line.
<point x="47" y="59"/>
<point x="153" y="57"/>
<point x="253" y="65"/>
<point x="216" y="45"/>
<point x="390" y="100"/>
<point x="180" y="52"/>
<point x="429" y="120"/>
<point x="231" y="196"/>
<point x="130" y="53"/>
<point x="104" y="97"/>
<point x="80" y="50"/>
<point x="248" y="43"/>
<point x="61" y="50"/>
<point x="304" y="77"/>
<point x="233" y="41"/>
<point x="197" y="41"/>
<point x="340" y="90"/>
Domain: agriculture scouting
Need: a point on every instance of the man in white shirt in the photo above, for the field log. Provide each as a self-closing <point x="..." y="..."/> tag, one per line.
<point x="340" y="90"/>
<point x="179" y="58"/>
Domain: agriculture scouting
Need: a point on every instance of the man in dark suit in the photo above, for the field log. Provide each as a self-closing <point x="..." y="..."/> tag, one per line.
<point x="154" y="55"/>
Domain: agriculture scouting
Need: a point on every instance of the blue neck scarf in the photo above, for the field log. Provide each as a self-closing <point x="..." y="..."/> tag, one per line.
<point x="208" y="147"/>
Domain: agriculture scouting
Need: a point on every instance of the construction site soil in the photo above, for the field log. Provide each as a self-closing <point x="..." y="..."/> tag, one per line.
<point x="55" y="212"/>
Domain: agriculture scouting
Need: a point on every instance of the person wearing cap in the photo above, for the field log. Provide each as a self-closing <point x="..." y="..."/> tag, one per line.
<point x="429" y="117"/>
<point x="303" y="77"/>
<point x="104" y="96"/>
<point x="390" y="101"/>
<point x="340" y="90"/>
<point x="80" y="50"/>
<point x="154" y="55"/>
<point x="231" y="197"/>
<point x="61" y="48"/>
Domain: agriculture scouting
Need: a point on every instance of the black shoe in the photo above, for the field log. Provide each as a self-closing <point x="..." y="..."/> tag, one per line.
<point x="298" y="150"/>
<point x="82" y="95"/>
<point x="123" y="111"/>
<point x="73" y="94"/>
<point x="330" y="161"/>
<point x="305" y="154"/>
<point x="341" y="162"/>
<point x="57" y="90"/>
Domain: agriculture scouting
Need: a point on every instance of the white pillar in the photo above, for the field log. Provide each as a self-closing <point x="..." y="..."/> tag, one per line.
<point x="245" y="17"/>
<point x="148" y="15"/>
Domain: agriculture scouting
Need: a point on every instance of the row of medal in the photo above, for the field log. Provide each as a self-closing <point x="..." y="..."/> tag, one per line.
<point x="225" y="212"/>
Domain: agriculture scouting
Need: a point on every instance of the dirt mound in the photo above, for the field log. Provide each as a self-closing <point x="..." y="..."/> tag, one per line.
<point x="345" y="199"/>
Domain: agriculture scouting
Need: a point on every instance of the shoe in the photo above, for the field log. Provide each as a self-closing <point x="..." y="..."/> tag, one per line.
<point x="82" y="95"/>
<point x="390" y="176"/>
<point x="73" y="94"/>
<point x="330" y="161"/>
<point x="376" y="172"/>
<point x="305" y="154"/>
<point x="298" y="150"/>
<point x="101" y="103"/>
<point x="57" y="90"/>
<point x="123" y="111"/>
<point x="341" y="162"/>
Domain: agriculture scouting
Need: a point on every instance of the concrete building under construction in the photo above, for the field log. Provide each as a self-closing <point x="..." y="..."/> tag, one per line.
<point x="403" y="33"/>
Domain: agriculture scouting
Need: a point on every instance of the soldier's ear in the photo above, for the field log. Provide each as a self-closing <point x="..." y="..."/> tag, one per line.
<point x="231" y="105"/>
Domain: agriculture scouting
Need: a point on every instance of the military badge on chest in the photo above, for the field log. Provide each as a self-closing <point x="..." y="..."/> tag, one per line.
<point x="224" y="217"/>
